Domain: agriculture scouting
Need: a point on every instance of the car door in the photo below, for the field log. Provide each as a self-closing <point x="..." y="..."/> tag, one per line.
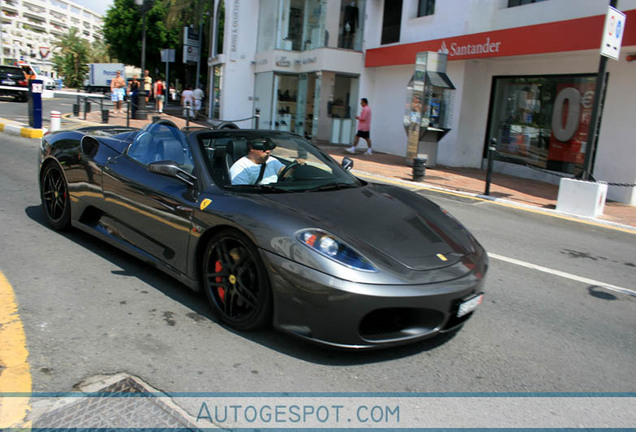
<point x="153" y="212"/>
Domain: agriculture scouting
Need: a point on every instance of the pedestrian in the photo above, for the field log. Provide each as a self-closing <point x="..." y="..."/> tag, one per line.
<point x="173" y="93"/>
<point x="133" y="90"/>
<point x="147" y="84"/>
<point x="159" y="96"/>
<point x="118" y="91"/>
<point x="198" y="98"/>
<point x="364" y="126"/>
<point x="187" y="101"/>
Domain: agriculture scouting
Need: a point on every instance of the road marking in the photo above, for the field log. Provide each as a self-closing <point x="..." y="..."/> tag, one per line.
<point x="15" y="375"/>
<point x="564" y="274"/>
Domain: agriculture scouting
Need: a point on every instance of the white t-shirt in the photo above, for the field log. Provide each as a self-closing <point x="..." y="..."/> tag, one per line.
<point x="244" y="171"/>
<point x="198" y="96"/>
<point x="187" y="96"/>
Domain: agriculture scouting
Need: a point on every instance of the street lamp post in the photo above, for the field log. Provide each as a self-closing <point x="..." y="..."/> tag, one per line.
<point x="141" y="113"/>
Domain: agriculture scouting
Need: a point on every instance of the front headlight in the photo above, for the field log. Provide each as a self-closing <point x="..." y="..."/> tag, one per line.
<point x="333" y="248"/>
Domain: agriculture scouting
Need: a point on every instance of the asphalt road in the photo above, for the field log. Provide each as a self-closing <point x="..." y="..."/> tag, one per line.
<point x="89" y="309"/>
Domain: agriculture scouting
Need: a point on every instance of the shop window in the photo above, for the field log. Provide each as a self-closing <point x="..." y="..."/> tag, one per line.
<point x="391" y="22"/>
<point x="425" y="8"/>
<point x="350" y="35"/>
<point x="543" y="121"/>
<point x="513" y="3"/>
<point x="217" y="87"/>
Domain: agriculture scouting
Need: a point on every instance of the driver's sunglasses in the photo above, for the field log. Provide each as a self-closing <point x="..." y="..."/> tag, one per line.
<point x="263" y="145"/>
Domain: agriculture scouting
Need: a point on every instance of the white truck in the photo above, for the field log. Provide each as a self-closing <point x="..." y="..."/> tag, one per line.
<point x="100" y="75"/>
<point x="32" y="71"/>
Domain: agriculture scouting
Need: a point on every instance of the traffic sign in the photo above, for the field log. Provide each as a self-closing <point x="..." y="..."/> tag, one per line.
<point x="613" y="33"/>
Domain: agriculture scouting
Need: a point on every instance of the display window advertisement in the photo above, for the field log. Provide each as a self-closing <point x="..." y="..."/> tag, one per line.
<point x="543" y="121"/>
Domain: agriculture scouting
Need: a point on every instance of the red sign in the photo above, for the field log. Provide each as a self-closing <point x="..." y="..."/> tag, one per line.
<point x="561" y="36"/>
<point x="573" y="149"/>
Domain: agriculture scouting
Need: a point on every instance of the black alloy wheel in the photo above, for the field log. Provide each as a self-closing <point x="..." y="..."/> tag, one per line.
<point x="55" y="198"/>
<point x="235" y="282"/>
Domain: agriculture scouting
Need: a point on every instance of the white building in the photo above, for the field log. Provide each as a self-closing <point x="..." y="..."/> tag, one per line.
<point x="30" y="28"/>
<point x="520" y="68"/>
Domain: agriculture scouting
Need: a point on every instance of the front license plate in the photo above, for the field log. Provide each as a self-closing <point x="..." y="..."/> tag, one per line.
<point x="8" y="82"/>
<point x="469" y="305"/>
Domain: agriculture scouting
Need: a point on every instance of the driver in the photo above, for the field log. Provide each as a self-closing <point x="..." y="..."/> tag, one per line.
<point x="257" y="167"/>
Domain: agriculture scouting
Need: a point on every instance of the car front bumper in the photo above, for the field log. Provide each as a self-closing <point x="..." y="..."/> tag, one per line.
<point x="339" y="313"/>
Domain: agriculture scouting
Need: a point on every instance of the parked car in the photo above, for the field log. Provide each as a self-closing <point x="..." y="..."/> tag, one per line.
<point x="310" y="249"/>
<point x="13" y="76"/>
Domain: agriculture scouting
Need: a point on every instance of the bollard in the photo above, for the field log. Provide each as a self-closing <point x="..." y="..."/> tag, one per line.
<point x="492" y="150"/>
<point x="56" y="120"/>
<point x="419" y="169"/>
<point x="257" y="116"/>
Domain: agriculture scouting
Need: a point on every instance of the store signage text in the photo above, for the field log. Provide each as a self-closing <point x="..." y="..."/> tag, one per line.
<point x="235" y="30"/>
<point x="487" y="47"/>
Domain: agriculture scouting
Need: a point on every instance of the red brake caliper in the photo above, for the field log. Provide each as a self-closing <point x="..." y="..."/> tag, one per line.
<point x="217" y="269"/>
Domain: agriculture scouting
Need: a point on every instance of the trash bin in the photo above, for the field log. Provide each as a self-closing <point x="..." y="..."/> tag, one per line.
<point x="419" y="169"/>
<point x="76" y="110"/>
<point x="104" y="116"/>
<point x="87" y="107"/>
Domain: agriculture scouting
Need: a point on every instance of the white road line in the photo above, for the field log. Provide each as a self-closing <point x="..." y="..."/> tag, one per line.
<point x="563" y="274"/>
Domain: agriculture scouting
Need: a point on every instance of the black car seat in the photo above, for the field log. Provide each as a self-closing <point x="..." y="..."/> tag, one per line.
<point x="234" y="150"/>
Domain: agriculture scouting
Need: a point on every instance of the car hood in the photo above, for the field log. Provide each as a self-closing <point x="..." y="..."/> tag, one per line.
<point x="385" y="222"/>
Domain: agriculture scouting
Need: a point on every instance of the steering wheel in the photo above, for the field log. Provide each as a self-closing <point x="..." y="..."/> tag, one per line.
<point x="288" y="172"/>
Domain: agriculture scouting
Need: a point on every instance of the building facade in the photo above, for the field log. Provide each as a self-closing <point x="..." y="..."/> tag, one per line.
<point x="524" y="73"/>
<point x="30" y="28"/>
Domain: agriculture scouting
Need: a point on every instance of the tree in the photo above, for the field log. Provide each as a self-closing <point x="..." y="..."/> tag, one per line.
<point x="99" y="53"/>
<point x="71" y="58"/>
<point x="165" y="20"/>
<point x="123" y="26"/>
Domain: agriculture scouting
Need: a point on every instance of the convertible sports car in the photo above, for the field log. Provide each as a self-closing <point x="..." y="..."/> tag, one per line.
<point x="317" y="253"/>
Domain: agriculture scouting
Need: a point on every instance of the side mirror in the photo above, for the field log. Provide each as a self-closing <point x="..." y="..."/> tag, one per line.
<point x="347" y="164"/>
<point x="171" y="169"/>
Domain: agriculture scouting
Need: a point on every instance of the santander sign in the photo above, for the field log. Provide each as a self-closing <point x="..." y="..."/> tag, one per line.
<point x="457" y="50"/>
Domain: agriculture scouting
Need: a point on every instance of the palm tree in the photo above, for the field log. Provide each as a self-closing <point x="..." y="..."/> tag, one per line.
<point x="71" y="57"/>
<point x="99" y="52"/>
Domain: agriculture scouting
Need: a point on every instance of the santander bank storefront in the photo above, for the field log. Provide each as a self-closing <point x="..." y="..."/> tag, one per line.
<point x="531" y="88"/>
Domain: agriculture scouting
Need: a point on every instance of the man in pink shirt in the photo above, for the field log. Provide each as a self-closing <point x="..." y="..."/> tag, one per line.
<point x="364" y="125"/>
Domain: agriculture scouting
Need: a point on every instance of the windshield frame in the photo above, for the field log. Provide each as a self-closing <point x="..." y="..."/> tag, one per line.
<point x="316" y="170"/>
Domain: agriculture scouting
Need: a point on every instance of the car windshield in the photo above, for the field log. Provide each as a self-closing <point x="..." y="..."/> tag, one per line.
<point x="298" y="166"/>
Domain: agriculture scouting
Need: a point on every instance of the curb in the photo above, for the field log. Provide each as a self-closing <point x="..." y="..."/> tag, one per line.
<point x="503" y="202"/>
<point x="23" y="131"/>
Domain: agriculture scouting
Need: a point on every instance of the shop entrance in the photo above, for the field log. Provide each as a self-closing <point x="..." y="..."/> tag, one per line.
<point x="296" y="103"/>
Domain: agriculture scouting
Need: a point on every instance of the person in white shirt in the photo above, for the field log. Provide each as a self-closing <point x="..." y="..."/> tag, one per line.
<point x="257" y="167"/>
<point x="198" y="98"/>
<point x="187" y="101"/>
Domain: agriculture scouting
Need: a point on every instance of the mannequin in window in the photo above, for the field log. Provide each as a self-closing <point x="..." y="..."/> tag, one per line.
<point x="350" y="24"/>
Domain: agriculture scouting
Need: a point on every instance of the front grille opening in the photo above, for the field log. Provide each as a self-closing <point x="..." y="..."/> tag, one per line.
<point x="399" y="323"/>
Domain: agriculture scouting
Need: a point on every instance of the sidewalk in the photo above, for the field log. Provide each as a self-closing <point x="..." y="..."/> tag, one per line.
<point x="523" y="193"/>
